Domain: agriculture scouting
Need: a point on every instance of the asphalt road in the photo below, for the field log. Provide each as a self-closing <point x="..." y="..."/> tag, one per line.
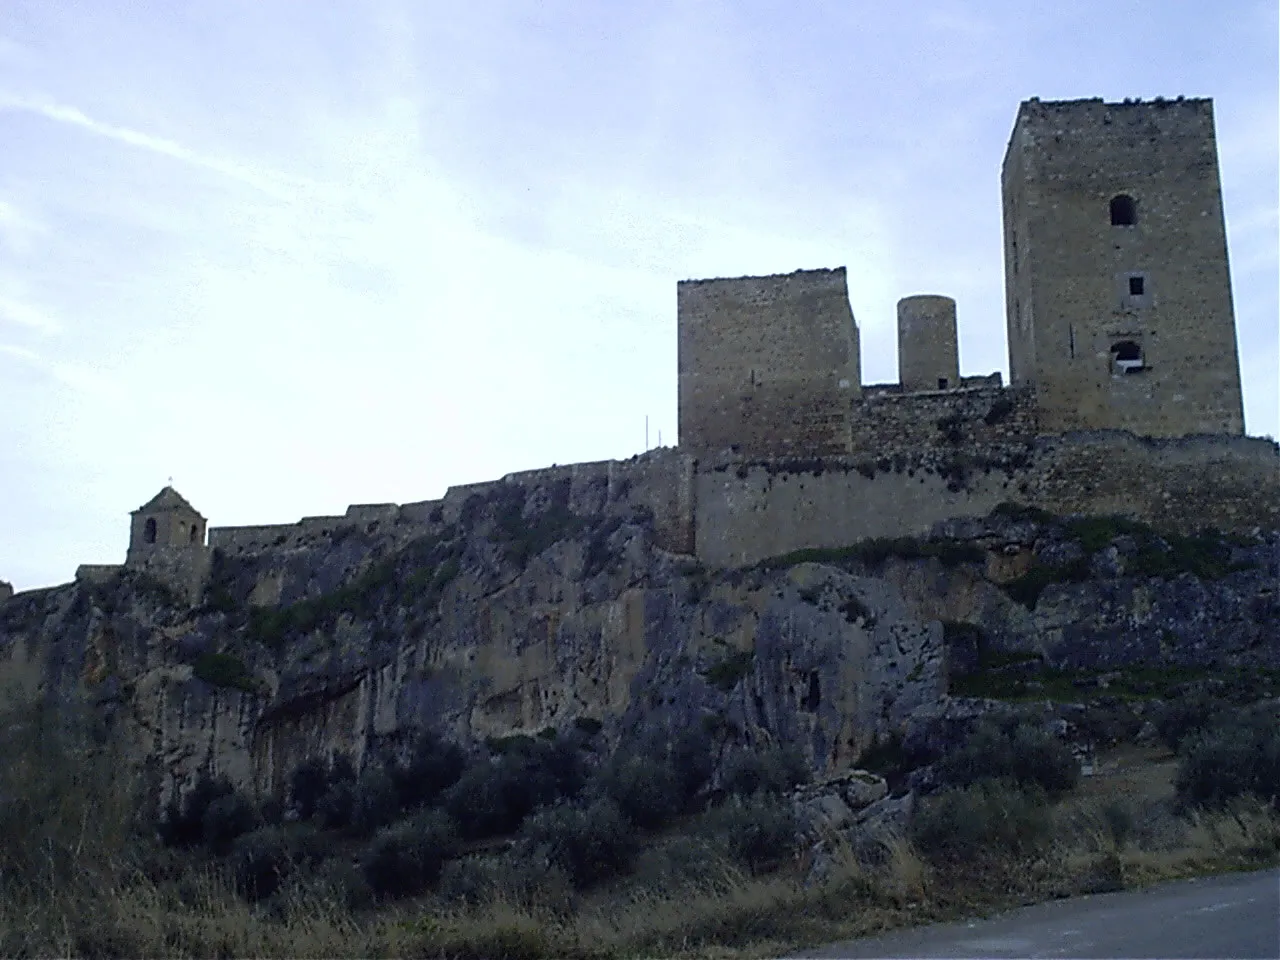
<point x="1231" y="916"/>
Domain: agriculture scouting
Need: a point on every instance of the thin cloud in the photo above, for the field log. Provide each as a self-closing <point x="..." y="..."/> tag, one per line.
<point x="270" y="183"/>
<point x="18" y="228"/>
<point x="79" y="379"/>
<point x="25" y="315"/>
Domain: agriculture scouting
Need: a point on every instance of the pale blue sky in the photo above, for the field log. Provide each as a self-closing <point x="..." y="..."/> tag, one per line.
<point x="303" y="254"/>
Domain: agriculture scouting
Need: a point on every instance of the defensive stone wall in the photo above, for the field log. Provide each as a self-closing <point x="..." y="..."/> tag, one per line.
<point x="971" y="419"/>
<point x="97" y="572"/>
<point x="1185" y="483"/>
<point x="661" y="480"/>
<point x="749" y="511"/>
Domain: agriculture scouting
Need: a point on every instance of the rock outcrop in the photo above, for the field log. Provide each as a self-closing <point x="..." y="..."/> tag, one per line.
<point x="530" y="613"/>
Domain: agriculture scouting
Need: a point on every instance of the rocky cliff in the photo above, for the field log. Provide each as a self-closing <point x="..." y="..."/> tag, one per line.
<point x="530" y="613"/>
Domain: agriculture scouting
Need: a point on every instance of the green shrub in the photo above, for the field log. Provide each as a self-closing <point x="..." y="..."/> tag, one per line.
<point x="224" y="670"/>
<point x="307" y="784"/>
<point x="693" y="760"/>
<point x="773" y="769"/>
<point x="432" y="767"/>
<point x="759" y="833"/>
<point x="336" y="807"/>
<point x="644" y="788"/>
<point x="1183" y="716"/>
<point x="590" y="844"/>
<point x="986" y="817"/>
<point x="494" y="796"/>
<point x="264" y="858"/>
<point x="589" y="726"/>
<point x="1238" y="755"/>
<point x="376" y="800"/>
<point x="1027" y="588"/>
<point x="725" y="674"/>
<point x="183" y="821"/>
<point x="405" y="859"/>
<point x="1025" y="753"/>
<point x="226" y="818"/>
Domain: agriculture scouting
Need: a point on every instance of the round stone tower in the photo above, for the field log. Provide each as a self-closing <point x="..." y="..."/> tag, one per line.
<point x="927" y="354"/>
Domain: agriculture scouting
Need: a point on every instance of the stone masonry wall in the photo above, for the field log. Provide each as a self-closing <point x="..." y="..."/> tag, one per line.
<point x="661" y="480"/>
<point x="1079" y="287"/>
<point x="972" y="420"/>
<point x="749" y="511"/>
<point x="767" y="364"/>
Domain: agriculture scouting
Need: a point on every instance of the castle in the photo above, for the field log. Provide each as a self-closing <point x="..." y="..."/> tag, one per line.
<point x="1118" y="305"/>
<point x="1124" y="396"/>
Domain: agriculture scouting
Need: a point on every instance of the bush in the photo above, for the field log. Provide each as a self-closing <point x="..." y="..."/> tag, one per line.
<point x="307" y="784"/>
<point x="693" y="761"/>
<point x="406" y="859"/>
<point x="644" y="788"/>
<point x="432" y="767"/>
<point x="495" y="795"/>
<point x="337" y="806"/>
<point x="1236" y="756"/>
<point x="590" y="844"/>
<point x="183" y="821"/>
<point x="758" y="833"/>
<point x="1180" y="718"/>
<point x="226" y="818"/>
<point x="263" y="859"/>
<point x="376" y="800"/>
<point x="989" y="816"/>
<point x="1025" y="753"/>
<point x="774" y="769"/>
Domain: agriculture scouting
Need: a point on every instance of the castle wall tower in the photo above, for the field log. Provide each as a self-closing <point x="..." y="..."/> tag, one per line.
<point x="1118" y="294"/>
<point x="928" y="358"/>
<point x="767" y="365"/>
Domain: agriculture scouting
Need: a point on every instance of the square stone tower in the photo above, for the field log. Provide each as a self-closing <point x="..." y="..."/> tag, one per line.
<point x="767" y="365"/>
<point x="1117" y="289"/>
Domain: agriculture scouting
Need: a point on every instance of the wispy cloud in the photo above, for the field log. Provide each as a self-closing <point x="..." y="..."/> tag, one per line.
<point x="78" y="378"/>
<point x="18" y="228"/>
<point x="25" y="315"/>
<point x="268" y="182"/>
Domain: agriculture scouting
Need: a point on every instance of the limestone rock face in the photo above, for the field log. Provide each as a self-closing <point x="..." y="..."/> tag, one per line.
<point x="529" y="612"/>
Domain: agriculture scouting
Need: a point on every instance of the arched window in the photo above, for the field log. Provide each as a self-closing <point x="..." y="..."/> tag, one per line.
<point x="149" y="530"/>
<point x="1124" y="211"/>
<point x="195" y="531"/>
<point x="1127" y="356"/>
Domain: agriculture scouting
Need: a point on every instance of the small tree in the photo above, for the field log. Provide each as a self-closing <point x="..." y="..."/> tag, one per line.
<point x="645" y="789"/>
<point x="590" y="844"/>
<point x="405" y="859"/>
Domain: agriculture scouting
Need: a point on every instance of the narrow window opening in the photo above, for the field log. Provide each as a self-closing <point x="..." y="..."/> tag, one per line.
<point x="942" y="383"/>
<point x="149" y="530"/>
<point x="1136" y="286"/>
<point x="1124" y="211"/>
<point x="1071" y="340"/>
<point x="1127" y="357"/>
<point x="195" y="531"/>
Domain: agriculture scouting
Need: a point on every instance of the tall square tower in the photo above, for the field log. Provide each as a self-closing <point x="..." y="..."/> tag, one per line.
<point x="1117" y="288"/>
<point x="768" y="366"/>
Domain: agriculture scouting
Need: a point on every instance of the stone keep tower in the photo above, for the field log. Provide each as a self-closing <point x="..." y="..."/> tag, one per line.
<point x="1118" y="295"/>
<point x="767" y="365"/>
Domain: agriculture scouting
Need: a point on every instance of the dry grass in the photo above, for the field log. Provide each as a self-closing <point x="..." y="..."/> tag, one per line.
<point x="76" y="879"/>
